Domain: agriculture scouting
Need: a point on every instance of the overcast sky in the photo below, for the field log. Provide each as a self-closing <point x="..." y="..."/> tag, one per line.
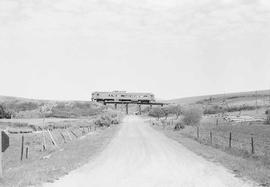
<point x="65" y="49"/>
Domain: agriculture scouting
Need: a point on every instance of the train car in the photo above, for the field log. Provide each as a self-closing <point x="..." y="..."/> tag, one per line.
<point x="123" y="96"/>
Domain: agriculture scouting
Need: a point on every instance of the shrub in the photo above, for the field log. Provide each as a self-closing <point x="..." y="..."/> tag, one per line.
<point x="103" y="121"/>
<point x="108" y="119"/>
<point x="166" y="111"/>
<point x="179" y="125"/>
<point x="240" y="108"/>
<point x="214" y="110"/>
<point x="74" y="109"/>
<point x="267" y="121"/>
<point x="4" y="113"/>
<point x="146" y="109"/>
<point x="192" y="116"/>
<point x="177" y="110"/>
<point x="26" y="106"/>
<point x="156" y="112"/>
<point x="172" y="109"/>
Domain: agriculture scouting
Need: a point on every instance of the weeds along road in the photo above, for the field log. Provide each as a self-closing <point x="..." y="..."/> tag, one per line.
<point x="141" y="156"/>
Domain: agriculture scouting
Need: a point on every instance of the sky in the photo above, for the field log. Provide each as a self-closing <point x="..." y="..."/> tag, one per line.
<point x="66" y="49"/>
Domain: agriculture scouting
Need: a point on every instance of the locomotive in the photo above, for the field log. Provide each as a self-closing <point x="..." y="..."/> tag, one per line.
<point x="123" y="96"/>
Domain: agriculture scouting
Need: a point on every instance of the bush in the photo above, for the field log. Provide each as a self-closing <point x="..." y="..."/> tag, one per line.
<point x="192" y="116"/>
<point x="240" y="108"/>
<point x="267" y="121"/>
<point x="172" y="109"/>
<point x="179" y="125"/>
<point x="4" y="113"/>
<point x="108" y="119"/>
<point x="103" y="121"/>
<point x="156" y="112"/>
<point x="214" y="110"/>
<point x="146" y="109"/>
<point x="177" y="110"/>
<point x="74" y="109"/>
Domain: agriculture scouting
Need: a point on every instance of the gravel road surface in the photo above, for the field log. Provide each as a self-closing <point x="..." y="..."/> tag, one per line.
<point x="140" y="156"/>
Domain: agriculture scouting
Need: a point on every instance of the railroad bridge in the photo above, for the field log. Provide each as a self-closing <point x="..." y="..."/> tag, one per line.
<point x="133" y="102"/>
<point x="124" y="98"/>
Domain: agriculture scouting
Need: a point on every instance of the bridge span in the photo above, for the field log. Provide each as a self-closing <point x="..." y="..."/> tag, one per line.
<point x="126" y="103"/>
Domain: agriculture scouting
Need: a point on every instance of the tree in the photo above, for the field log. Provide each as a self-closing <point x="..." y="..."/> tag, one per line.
<point x="267" y="112"/>
<point x="4" y="113"/>
<point x="176" y="110"/>
<point x="166" y="110"/>
<point x="192" y="116"/>
<point x="156" y="112"/>
<point x="146" y="109"/>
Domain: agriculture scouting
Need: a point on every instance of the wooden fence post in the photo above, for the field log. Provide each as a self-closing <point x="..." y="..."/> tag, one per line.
<point x="53" y="141"/>
<point x="211" y="138"/>
<point x="74" y="134"/>
<point x="69" y="135"/>
<point x="230" y="140"/>
<point x="63" y="137"/>
<point x="27" y="152"/>
<point x="22" y="147"/>
<point x="217" y="122"/>
<point x="43" y="141"/>
<point x="1" y="156"/>
<point x="252" y="146"/>
<point x="198" y="132"/>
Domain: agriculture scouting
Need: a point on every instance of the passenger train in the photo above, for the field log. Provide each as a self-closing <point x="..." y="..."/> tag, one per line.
<point x="123" y="96"/>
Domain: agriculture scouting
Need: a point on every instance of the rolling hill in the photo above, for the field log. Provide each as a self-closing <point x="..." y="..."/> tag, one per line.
<point x="31" y="108"/>
<point x="248" y="98"/>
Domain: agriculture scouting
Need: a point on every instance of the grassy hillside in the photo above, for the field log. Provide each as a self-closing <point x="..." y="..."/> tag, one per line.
<point x="262" y="97"/>
<point x="31" y="108"/>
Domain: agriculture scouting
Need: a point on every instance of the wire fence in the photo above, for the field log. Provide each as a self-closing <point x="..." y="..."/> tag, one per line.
<point x="26" y="147"/>
<point x="240" y="143"/>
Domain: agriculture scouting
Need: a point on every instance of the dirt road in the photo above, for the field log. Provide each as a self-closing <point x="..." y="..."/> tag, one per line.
<point x="140" y="156"/>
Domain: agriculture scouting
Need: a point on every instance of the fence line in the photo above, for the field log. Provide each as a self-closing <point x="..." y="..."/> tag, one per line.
<point x="43" y="141"/>
<point x="229" y="141"/>
<point x="251" y="144"/>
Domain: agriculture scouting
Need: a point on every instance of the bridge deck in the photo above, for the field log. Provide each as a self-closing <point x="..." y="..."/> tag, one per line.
<point x="132" y="102"/>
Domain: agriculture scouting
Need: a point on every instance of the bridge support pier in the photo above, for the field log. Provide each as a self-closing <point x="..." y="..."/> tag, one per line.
<point x="140" y="109"/>
<point x="115" y="106"/>
<point x="126" y="108"/>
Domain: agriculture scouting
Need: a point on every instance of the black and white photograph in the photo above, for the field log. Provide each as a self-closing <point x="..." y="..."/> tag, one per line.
<point x="135" y="93"/>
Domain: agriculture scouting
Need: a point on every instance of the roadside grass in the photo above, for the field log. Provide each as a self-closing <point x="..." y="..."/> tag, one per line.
<point x="241" y="135"/>
<point x="239" y="157"/>
<point x="245" y="168"/>
<point x="55" y="162"/>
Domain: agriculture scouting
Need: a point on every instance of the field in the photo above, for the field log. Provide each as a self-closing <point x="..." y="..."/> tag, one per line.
<point x="30" y="108"/>
<point x="262" y="97"/>
<point x="65" y="149"/>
